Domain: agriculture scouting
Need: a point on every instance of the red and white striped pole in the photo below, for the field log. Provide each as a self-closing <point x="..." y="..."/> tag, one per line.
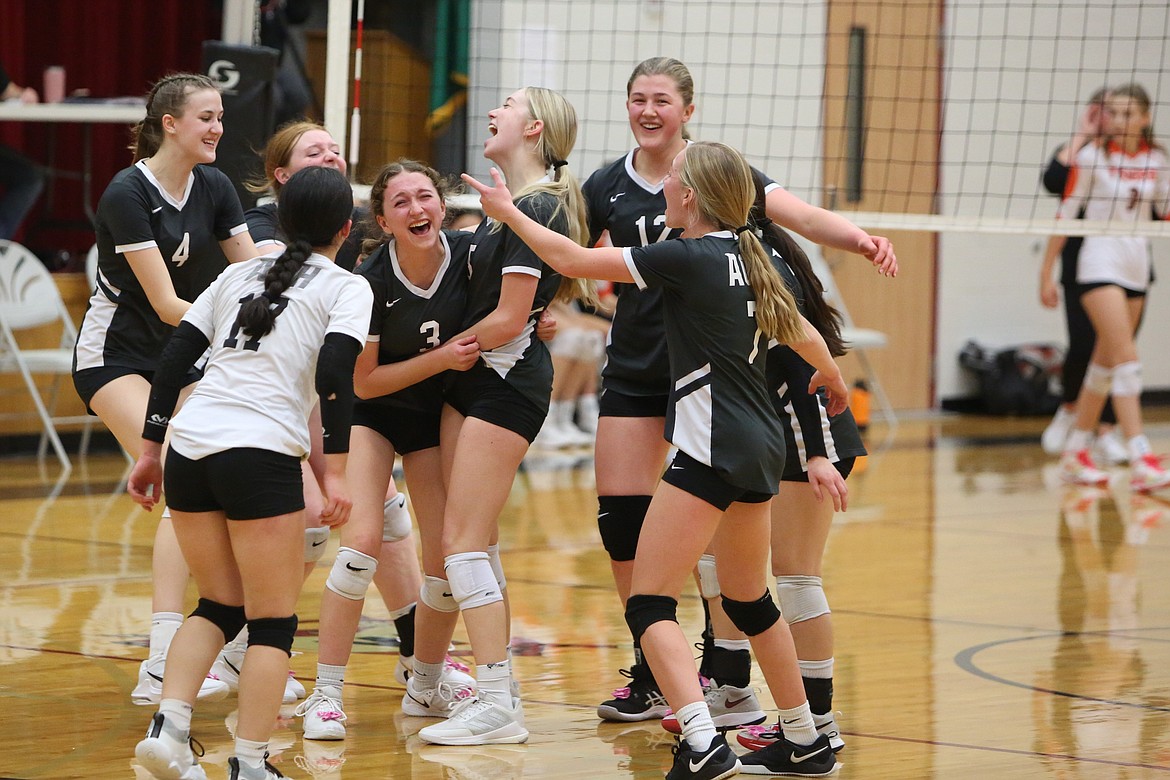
<point x="355" y="120"/>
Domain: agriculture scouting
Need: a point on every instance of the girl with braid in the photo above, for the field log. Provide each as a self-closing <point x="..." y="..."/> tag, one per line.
<point x="277" y="327"/>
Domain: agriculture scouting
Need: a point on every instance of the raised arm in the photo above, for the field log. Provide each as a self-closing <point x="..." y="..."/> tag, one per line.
<point x="829" y="229"/>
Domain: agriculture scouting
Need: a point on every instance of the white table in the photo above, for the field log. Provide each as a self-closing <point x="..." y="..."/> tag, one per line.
<point x="85" y="114"/>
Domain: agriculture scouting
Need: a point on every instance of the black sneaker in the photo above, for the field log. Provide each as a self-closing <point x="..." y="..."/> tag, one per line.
<point x="717" y="761"/>
<point x="236" y="772"/>
<point x="640" y="701"/>
<point x="786" y="758"/>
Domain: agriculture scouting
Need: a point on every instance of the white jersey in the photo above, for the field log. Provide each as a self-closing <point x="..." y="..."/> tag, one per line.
<point x="259" y="392"/>
<point x="1112" y="185"/>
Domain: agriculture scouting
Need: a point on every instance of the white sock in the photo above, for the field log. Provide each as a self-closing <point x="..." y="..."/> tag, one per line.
<point x="817" y="670"/>
<point x="733" y="644"/>
<point x="697" y="727"/>
<point x="1078" y="440"/>
<point x="494" y="682"/>
<point x="163" y="626"/>
<point x="426" y="676"/>
<point x="1138" y="447"/>
<point x="333" y="676"/>
<point x="177" y="717"/>
<point x="798" y="725"/>
<point x="251" y="753"/>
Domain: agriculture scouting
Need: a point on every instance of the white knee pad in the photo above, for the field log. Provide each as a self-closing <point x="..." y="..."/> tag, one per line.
<point x="493" y="552"/>
<point x="708" y="578"/>
<point x="566" y="343"/>
<point x="315" y="539"/>
<point x="472" y="582"/>
<point x="395" y="519"/>
<point x="1127" y="379"/>
<point x="592" y="346"/>
<point x="436" y="594"/>
<point x="351" y="574"/>
<point x="1098" y="379"/>
<point x="801" y="598"/>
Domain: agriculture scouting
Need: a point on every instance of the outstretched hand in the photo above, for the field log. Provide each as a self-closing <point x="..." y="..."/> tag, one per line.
<point x="496" y="201"/>
<point x="879" y="250"/>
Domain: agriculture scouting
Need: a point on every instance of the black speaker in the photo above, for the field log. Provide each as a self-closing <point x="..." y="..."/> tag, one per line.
<point x="246" y="76"/>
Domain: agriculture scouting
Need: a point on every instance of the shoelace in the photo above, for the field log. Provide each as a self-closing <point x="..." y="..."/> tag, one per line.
<point x="623" y="693"/>
<point x="468" y="708"/>
<point x="318" y="698"/>
<point x="451" y="663"/>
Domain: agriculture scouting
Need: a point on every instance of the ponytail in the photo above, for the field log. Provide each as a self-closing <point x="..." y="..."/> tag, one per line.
<point x="776" y="313"/>
<point x="257" y="317"/>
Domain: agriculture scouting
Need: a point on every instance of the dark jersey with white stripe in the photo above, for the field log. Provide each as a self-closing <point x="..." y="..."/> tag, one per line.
<point x="808" y="429"/>
<point x="719" y="412"/>
<point x="408" y="319"/>
<point x="633" y="210"/>
<point x="264" y="226"/>
<point x="135" y="212"/>
<point x="524" y="362"/>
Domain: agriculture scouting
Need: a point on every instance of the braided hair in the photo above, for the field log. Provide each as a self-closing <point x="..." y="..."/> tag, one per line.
<point x="168" y="96"/>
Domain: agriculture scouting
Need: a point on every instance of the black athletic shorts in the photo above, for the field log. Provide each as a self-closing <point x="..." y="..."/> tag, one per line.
<point x="89" y="380"/>
<point x="615" y="404"/>
<point x="1084" y="288"/>
<point x="407" y="430"/>
<point x="844" y="468"/>
<point x="482" y="393"/>
<point x="702" y="481"/>
<point x="244" y="483"/>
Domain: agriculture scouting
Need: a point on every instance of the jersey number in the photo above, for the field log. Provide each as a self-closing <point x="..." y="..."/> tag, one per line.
<point x="183" y="252"/>
<point x="659" y="220"/>
<point x="232" y="341"/>
<point x="430" y="329"/>
<point x="757" y="336"/>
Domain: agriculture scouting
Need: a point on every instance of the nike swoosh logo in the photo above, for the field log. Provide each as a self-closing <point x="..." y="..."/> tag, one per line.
<point x="603" y="514"/>
<point x="155" y="676"/>
<point x="155" y="211"/>
<point x="695" y="767"/>
<point x="615" y="197"/>
<point x="806" y="756"/>
<point x="446" y="595"/>
<point x="318" y="544"/>
<point x="688" y="720"/>
<point x="391" y="303"/>
<point x="231" y="666"/>
<point x="673" y="467"/>
<point x="351" y="567"/>
<point x="737" y="702"/>
<point x="415" y="699"/>
<point x="790" y="722"/>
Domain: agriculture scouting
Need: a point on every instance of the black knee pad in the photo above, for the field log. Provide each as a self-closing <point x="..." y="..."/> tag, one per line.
<point x="227" y="619"/>
<point x="644" y="611"/>
<point x="620" y="518"/>
<point x="273" y="632"/>
<point x="752" y="617"/>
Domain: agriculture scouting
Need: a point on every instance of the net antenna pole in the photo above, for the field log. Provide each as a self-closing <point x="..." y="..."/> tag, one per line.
<point x="337" y="41"/>
<point x="355" y="119"/>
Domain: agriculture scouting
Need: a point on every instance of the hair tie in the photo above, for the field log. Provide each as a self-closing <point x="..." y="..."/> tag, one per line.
<point x="559" y="164"/>
<point x="742" y="228"/>
<point x="271" y="297"/>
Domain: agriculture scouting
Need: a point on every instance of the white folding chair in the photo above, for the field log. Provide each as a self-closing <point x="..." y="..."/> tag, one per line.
<point x="91" y="265"/>
<point x="29" y="299"/>
<point x="858" y="339"/>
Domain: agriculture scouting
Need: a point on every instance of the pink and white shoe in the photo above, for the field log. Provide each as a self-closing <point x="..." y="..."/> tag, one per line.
<point x="1078" y="468"/>
<point x="1147" y="473"/>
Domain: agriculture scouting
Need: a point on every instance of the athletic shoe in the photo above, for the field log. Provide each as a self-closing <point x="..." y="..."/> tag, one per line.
<point x="323" y="714"/>
<point x="168" y="756"/>
<point x="476" y="721"/>
<point x="150" y="677"/>
<point x="785" y="758"/>
<point x="760" y="737"/>
<point x="404" y="670"/>
<point x="236" y="771"/>
<point x="1110" y="449"/>
<point x="716" y="762"/>
<point x="730" y="707"/>
<point x="294" y="689"/>
<point x="227" y="669"/>
<point x="439" y="701"/>
<point x="1147" y="474"/>
<point x="489" y="762"/>
<point x="641" y="700"/>
<point x="1053" y="438"/>
<point x="1078" y="468"/>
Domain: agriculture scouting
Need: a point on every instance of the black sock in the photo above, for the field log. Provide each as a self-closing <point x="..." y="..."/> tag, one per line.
<point x="405" y="627"/>
<point x="730" y="667"/>
<point x="819" y="691"/>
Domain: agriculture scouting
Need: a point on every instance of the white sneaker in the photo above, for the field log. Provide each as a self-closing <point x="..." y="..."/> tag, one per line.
<point x="730" y="708"/>
<point x="150" y="677"/>
<point x="438" y="702"/>
<point x="1110" y="450"/>
<point x="1147" y="474"/>
<point x="294" y="690"/>
<point x="166" y="756"/>
<point x="476" y="721"/>
<point x="1053" y="438"/>
<point x="323" y="714"/>
<point x="554" y="436"/>
<point x="1078" y="468"/>
<point x="227" y="666"/>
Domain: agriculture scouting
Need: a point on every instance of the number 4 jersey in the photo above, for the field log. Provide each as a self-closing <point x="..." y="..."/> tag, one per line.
<point x="121" y="328"/>
<point x="259" y="392"/>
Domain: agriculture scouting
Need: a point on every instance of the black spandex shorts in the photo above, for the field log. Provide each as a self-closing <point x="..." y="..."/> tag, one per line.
<point x="407" y="430"/>
<point x="1084" y="288"/>
<point x="702" y="481"/>
<point x="844" y="468"/>
<point x="88" y="381"/>
<point x="244" y="483"/>
<point x="482" y="393"/>
<point x="615" y="404"/>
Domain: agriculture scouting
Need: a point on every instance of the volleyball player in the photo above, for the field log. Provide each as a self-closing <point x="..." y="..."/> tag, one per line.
<point x="166" y="227"/>
<point x="625" y="199"/>
<point x="276" y="327"/>
<point x="1126" y="178"/>
<point x="722" y="302"/>
<point x="495" y="409"/>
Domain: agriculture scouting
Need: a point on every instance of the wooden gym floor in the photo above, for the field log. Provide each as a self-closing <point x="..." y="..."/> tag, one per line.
<point x="990" y="624"/>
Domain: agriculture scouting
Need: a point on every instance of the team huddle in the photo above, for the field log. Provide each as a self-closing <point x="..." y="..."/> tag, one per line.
<point x="286" y="357"/>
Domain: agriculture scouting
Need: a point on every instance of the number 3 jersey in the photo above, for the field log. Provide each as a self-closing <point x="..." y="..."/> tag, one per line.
<point x="259" y="392"/>
<point x="1112" y="185"/>
<point x="120" y="327"/>
<point x="407" y="319"/>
